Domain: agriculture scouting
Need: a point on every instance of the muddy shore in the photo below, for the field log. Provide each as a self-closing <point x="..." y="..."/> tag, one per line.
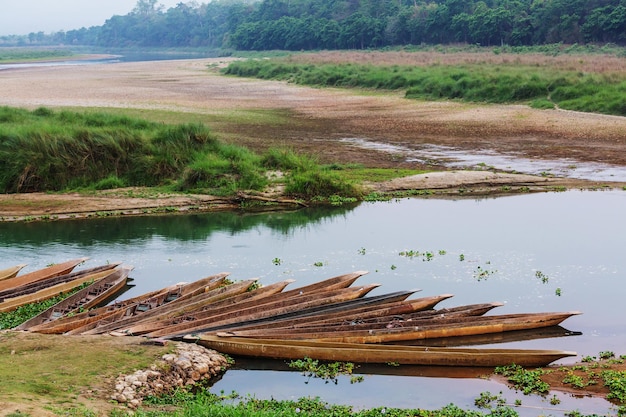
<point x="309" y="120"/>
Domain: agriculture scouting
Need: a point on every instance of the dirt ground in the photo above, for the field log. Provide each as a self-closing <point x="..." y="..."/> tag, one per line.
<point x="306" y="119"/>
<point x="309" y="120"/>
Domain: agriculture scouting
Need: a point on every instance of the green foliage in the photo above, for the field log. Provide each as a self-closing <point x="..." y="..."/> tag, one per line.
<point x="556" y="27"/>
<point x="528" y="381"/>
<point x="475" y="83"/>
<point x="329" y="372"/>
<point x="44" y="150"/>
<point x="309" y="184"/>
<point x="616" y="382"/>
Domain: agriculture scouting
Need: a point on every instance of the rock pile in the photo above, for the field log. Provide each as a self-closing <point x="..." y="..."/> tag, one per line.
<point x="188" y="365"/>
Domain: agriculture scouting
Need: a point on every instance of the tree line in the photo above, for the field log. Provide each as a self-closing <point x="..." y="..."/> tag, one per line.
<point x="353" y="24"/>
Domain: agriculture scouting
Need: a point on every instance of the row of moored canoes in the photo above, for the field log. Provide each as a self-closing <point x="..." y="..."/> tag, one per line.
<point x="331" y="319"/>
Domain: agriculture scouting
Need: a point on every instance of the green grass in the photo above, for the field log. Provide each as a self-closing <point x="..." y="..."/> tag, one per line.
<point x="205" y="404"/>
<point x="46" y="150"/>
<point x="487" y="83"/>
<point x="27" y="54"/>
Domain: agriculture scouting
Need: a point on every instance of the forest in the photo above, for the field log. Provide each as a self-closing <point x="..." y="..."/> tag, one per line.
<point x="350" y="24"/>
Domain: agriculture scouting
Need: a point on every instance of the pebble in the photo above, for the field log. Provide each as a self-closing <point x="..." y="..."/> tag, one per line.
<point x="189" y="365"/>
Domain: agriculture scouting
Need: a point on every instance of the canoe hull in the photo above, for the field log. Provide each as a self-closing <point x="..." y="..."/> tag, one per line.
<point x="365" y="353"/>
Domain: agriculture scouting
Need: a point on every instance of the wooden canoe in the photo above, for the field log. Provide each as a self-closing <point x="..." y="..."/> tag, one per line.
<point x="216" y="294"/>
<point x="131" y="311"/>
<point x="465" y="326"/>
<point x="273" y="308"/>
<point x="142" y="302"/>
<point x="51" y="281"/>
<point x="90" y="296"/>
<point x="265" y="310"/>
<point x="317" y="288"/>
<point x="227" y="304"/>
<point x="50" y="271"/>
<point x="365" y="353"/>
<point x="354" y="312"/>
<point x="395" y="319"/>
<point x="10" y="304"/>
<point x="10" y="272"/>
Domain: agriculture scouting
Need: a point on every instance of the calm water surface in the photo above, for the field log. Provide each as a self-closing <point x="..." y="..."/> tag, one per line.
<point x="575" y="239"/>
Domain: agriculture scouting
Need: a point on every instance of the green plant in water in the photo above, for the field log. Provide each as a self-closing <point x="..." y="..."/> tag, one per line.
<point x="486" y="399"/>
<point x="328" y="372"/>
<point x="528" y="381"/>
<point x="543" y="277"/>
<point x="482" y="274"/>
<point x="277" y="261"/>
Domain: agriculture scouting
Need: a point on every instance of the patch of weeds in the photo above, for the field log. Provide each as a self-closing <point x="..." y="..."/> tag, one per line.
<point x="486" y="399"/>
<point x="615" y="381"/>
<point x="543" y="277"/>
<point x="426" y="256"/>
<point x="558" y="292"/>
<point x="574" y="380"/>
<point x="606" y="354"/>
<point x="361" y="251"/>
<point x="277" y="261"/>
<point x="328" y="372"/>
<point x="527" y="381"/>
<point x="318" y="264"/>
<point x="481" y="273"/>
<point x="461" y="257"/>
<point x="337" y="200"/>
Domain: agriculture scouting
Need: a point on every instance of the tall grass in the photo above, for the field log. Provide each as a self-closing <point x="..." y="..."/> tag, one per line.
<point x="476" y="82"/>
<point x="45" y="150"/>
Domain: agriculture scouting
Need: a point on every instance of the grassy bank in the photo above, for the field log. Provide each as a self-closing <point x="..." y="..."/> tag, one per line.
<point x="46" y="150"/>
<point x="8" y="55"/>
<point x="513" y="82"/>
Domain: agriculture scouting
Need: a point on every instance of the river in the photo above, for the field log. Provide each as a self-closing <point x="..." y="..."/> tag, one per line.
<point x="533" y="252"/>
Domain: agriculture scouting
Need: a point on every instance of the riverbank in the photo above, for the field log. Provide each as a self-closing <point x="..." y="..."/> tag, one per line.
<point x="144" y="201"/>
<point x="264" y="114"/>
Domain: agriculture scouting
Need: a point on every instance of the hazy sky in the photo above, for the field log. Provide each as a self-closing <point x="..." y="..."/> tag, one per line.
<point x="20" y="17"/>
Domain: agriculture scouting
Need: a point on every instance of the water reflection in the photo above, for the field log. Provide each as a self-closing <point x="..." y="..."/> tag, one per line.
<point x="188" y="228"/>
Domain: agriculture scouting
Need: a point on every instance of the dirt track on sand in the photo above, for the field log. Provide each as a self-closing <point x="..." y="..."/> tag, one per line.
<point x="309" y="120"/>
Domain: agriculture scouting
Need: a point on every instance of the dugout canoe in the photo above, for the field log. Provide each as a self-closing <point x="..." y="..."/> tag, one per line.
<point x="10" y="304"/>
<point x="50" y="271"/>
<point x="263" y="310"/>
<point x="90" y="296"/>
<point x="182" y="307"/>
<point x="201" y="310"/>
<point x="255" y="294"/>
<point x="54" y="280"/>
<point x="391" y="303"/>
<point x="390" y="318"/>
<point x="366" y="353"/>
<point x="274" y="311"/>
<point x="120" y="309"/>
<point x="426" y="329"/>
<point x="11" y="271"/>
